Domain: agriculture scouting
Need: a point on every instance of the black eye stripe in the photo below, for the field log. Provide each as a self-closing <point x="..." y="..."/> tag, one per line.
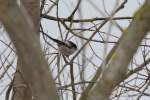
<point x="72" y="44"/>
<point x="63" y="44"/>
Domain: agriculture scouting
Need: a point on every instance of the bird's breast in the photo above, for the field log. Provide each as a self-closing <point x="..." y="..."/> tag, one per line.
<point x="66" y="51"/>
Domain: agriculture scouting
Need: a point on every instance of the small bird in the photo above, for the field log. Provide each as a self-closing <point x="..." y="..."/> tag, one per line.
<point x="66" y="48"/>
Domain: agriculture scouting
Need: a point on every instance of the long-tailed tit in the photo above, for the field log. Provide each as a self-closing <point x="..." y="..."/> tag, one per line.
<point x="66" y="48"/>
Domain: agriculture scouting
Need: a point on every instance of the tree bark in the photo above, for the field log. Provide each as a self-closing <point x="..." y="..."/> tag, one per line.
<point x="23" y="92"/>
<point x="116" y="69"/>
<point x="33" y="66"/>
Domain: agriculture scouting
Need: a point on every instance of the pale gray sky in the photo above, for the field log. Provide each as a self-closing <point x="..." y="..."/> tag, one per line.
<point x="65" y="7"/>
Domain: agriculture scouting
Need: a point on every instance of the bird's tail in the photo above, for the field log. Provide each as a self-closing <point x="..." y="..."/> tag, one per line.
<point x="55" y="40"/>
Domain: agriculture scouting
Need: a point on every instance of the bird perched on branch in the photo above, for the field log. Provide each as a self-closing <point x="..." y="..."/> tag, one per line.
<point x="66" y="48"/>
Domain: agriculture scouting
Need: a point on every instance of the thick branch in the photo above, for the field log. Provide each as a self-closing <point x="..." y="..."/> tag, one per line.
<point x="34" y="67"/>
<point x="116" y="68"/>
